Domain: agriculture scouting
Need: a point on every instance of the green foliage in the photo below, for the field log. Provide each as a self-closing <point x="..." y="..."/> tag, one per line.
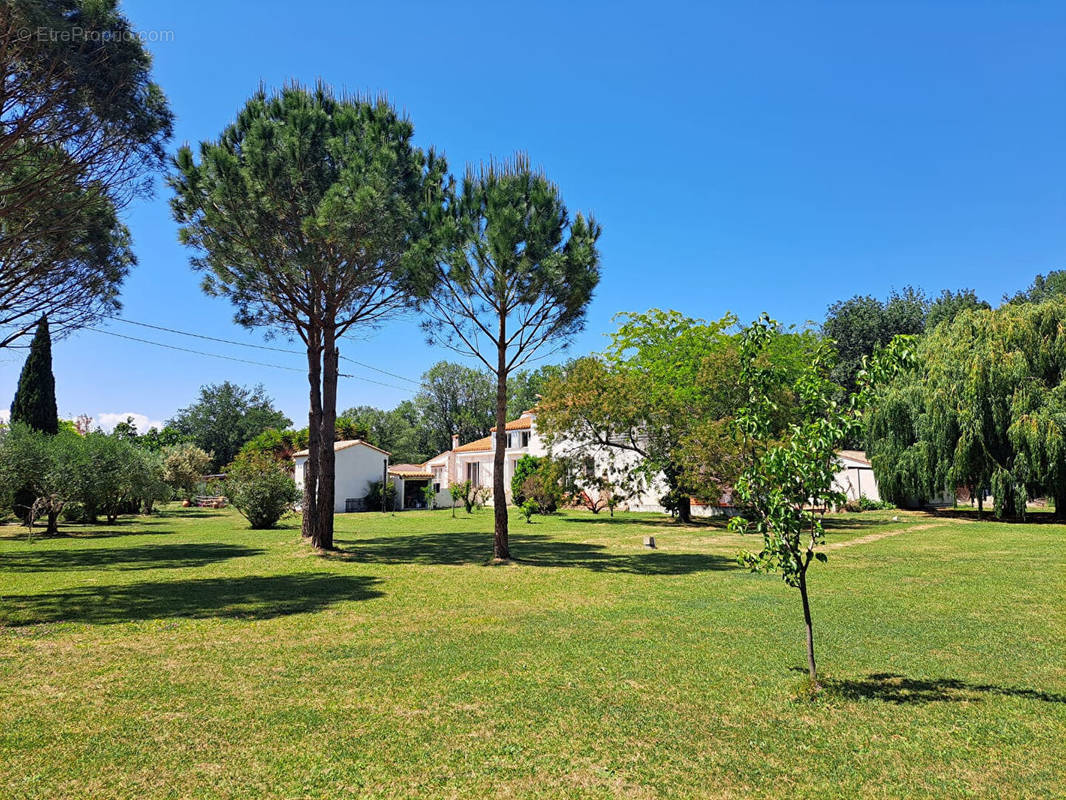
<point x="456" y="399"/>
<point x="524" y="468"/>
<point x="156" y="440"/>
<point x="546" y="485"/>
<point x="950" y="304"/>
<point x="660" y="401"/>
<point x="525" y="387"/>
<point x="862" y="324"/>
<point x="82" y="126"/>
<point x="183" y="465"/>
<point x="790" y="477"/>
<point x="514" y="278"/>
<point x="1044" y="287"/>
<point x="429" y="495"/>
<point x="984" y="408"/>
<point x="35" y="398"/>
<point x="261" y="489"/>
<point x="225" y="417"/>
<point x="279" y="445"/>
<point x="400" y="430"/>
<point x="469" y="495"/>
<point x="373" y="499"/>
<point x="864" y="503"/>
<point x="528" y="509"/>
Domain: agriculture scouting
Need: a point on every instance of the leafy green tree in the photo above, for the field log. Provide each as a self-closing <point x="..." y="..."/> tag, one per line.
<point x="655" y="403"/>
<point x="949" y="305"/>
<point x="156" y="440"/>
<point x="108" y="480"/>
<point x="790" y="477"/>
<point x="984" y="408"/>
<point x="44" y="466"/>
<point x="456" y="400"/>
<point x="527" y="386"/>
<point x="513" y="285"/>
<point x="314" y="214"/>
<point x="862" y="324"/>
<point x="82" y="127"/>
<point x="225" y="417"/>
<point x="399" y="430"/>
<point x="1043" y="287"/>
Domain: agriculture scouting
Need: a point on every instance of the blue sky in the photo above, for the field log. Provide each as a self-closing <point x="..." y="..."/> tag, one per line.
<point x="740" y="157"/>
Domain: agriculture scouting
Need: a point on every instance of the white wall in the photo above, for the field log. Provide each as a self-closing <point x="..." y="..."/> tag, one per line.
<point x="856" y="480"/>
<point x="357" y="467"/>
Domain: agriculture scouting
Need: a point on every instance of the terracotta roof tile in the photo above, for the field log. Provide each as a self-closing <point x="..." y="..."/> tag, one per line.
<point x="475" y="446"/>
<point x="520" y="424"/>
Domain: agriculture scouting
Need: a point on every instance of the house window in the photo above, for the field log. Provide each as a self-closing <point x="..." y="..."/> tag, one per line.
<point x="525" y="438"/>
<point x="473" y="473"/>
<point x="589" y="468"/>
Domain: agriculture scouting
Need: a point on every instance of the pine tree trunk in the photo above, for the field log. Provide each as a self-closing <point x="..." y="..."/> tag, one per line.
<point x="811" y="668"/>
<point x="314" y="417"/>
<point x="327" y="465"/>
<point x="501" y="548"/>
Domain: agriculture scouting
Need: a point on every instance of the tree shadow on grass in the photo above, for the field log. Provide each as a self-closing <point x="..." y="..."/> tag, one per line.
<point x="149" y="556"/>
<point x="889" y="687"/>
<point x="532" y="549"/>
<point x="251" y="597"/>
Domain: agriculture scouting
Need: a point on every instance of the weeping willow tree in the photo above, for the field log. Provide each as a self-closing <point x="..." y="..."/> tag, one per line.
<point x="984" y="409"/>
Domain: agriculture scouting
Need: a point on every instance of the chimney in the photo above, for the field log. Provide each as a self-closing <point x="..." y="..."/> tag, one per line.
<point x="455" y="440"/>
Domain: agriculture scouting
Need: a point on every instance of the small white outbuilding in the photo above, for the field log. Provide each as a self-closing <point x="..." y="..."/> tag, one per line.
<point x="855" y="477"/>
<point x="359" y="464"/>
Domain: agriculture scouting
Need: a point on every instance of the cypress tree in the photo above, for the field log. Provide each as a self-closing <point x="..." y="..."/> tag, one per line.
<point x="35" y="398"/>
<point x="35" y="402"/>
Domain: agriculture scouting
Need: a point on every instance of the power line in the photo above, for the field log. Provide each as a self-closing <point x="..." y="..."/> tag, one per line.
<point x="272" y="349"/>
<point x="234" y="358"/>
<point x="195" y="352"/>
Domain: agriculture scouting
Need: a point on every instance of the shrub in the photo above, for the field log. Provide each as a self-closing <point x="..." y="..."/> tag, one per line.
<point x="261" y="489"/>
<point x="525" y="468"/>
<point x="184" y="465"/>
<point x="469" y="495"/>
<point x="373" y="497"/>
<point x="430" y="496"/>
<point x="529" y="508"/>
<point x="865" y="503"/>
<point x="545" y="485"/>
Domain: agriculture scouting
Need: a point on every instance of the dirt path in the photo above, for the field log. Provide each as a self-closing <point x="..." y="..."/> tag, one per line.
<point x="873" y="537"/>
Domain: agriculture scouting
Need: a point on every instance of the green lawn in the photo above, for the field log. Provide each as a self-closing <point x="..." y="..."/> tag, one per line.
<point x="184" y="656"/>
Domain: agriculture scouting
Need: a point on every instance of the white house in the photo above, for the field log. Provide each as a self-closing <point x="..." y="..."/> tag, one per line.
<point x="473" y="461"/>
<point x="359" y="464"/>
